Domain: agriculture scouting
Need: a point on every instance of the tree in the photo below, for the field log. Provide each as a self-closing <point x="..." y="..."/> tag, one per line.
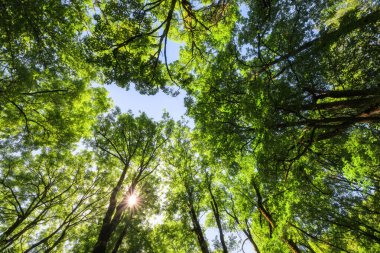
<point x="129" y="38"/>
<point x="45" y="197"/>
<point x="45" y="82"/>
<point x="285" y="100"/>
<point x="184" y="186"/>
<point x="298" y="91"/>
<point x="284" y="153"/>
<point x="216" y="211"/>
<point x="134" y="144"/>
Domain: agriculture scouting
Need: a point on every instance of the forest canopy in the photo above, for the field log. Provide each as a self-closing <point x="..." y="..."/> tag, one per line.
<point x="284" y="154"/>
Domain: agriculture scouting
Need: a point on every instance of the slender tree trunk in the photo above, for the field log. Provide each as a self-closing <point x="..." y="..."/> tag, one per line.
<point x="248" y="233"/>
<point x="13" y="227"/>
<point x="108" y="226"/>
<point x="368" y="116"/>
<point x="346" y="93"/>
<point x="293" y="247"/>
<point x="8" y="241"/>
<point x="246" y="230"/>
<point x="198" y="230"/>
<point x="104" y="236"/>
<point x="122" y="235"/>
<point x="260" y="206"/>
<point x="289" y="242"/>
<point x="333" y="122"/>
<point x="317" y="239"/>
<point x="215" y="210"/>
<point x="350" y="103"/>
<point x="46" y="239"/>
<point x="58" y="241"/>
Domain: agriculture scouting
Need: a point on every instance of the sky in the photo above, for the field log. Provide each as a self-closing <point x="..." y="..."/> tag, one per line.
<point x="153" y="105"/>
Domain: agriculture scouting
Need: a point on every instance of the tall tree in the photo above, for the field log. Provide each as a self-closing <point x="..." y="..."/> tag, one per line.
<point x="284" y="152"/>
<point x="45" y="91"/>
<point x="299" y="90"/>
<point x="133" y="146"/>
<point x="129" y="38"/>
<point x="44" y="197"/>
<point x="185" y="190"/>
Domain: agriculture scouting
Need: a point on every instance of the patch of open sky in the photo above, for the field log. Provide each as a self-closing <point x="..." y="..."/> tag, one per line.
<point x="153" y="105"/>
<point x="244" y="10"/>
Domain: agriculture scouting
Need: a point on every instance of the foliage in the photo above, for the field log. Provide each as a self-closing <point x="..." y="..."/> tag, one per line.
<point x="131" y="148"/>
<point x="283" y="157"/>
<point x="45" y="83"/>
<point x="45" y="196"/>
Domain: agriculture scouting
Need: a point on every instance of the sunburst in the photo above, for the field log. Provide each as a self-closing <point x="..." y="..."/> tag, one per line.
<point x="133" y="200"/>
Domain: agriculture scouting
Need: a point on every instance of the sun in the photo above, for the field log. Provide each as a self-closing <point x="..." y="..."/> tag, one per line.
<point x="133" y="200"/>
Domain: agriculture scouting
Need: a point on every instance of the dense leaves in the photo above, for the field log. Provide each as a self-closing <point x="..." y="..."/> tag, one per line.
<point x="45" y="84"/>
<point x="44" y="196"/>
<point x="284" y="155"/>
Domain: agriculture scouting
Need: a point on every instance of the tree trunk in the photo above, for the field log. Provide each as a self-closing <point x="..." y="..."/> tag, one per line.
<point x="349" y="103"/>
<point x="215" y="210"/>
<point x="260" y="206"/>
<point x="248" y="233"/>
<point x="107" y="226"/>
<point x="334" y="122"/>
<point x="246" y="230"/>
<point x="122" y="235"/>
<point x="293" y="247"/>
<point x="198" y="230"/>
<point x="289" y="242"/>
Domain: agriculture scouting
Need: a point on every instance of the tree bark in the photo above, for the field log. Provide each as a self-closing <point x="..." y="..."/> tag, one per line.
<point x="329" y="122"/>
<point x="198" y="230"/>
<point x="293" y="247"/>
<point x="260" y="206"/>
<point x="246" y="230"/>
<point x="121" y="236"/>
<point x="248" y="233"/>
<point x="349" y="103"/>
<point x="346" y="93"/>
<point x="107" y="226"/>
<point x="289" y="242"/>
<point x="215" y="210"/>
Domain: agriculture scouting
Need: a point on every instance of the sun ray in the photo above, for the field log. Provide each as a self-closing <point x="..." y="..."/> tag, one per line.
<point x="133" y="200"/>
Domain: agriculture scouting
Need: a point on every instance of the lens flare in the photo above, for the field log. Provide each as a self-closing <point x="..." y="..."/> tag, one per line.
<point x="133" y="200"/>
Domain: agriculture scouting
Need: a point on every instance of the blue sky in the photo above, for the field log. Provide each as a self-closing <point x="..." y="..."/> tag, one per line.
<point x="153" y="105"/>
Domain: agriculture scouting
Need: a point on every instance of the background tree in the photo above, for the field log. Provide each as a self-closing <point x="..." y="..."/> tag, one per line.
<point x="129" y="39"/>
<point x="184" y="187"/>
<point x="132" y="146"/>
<point x="45" y="197"/>
<point x="45" y="81"/>
<point x="285" y="100"/>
